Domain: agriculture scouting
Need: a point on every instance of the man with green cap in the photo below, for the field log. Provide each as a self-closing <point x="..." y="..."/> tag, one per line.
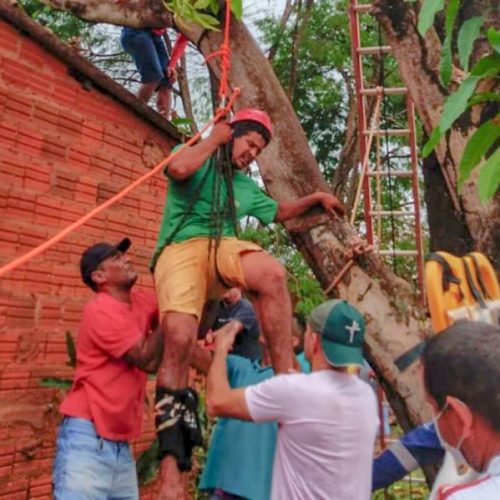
<point x="327" y="419"/>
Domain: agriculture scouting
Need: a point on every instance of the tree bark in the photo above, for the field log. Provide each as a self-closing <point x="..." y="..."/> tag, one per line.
<point x="454" y="236"/>
<point x="418" y="60"/>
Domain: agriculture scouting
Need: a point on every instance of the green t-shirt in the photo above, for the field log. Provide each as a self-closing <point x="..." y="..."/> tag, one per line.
<point x="249" y="200"/>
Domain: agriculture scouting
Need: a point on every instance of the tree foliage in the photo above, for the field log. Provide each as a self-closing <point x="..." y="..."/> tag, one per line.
<point x="484" y="144"/>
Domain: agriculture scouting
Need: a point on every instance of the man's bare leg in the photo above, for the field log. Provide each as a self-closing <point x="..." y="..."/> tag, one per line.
<point x="164" y="101"/>
<point x="180" y="332"/>
<point x="146" y="91"/>
<point x="266" y="278"/>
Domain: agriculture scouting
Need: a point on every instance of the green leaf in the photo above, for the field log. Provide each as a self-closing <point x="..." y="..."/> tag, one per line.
<point x="456" y="103"/>
<point x="446" y="67"/>
<point x="427" y="14"/>
<point x="56" y="383"/>
<point x="451" y="15"/>
<point x="494" y="39"/>
<point x="484" y="97"/>
<point x="70" y="347"/>
<point x="201" y="4"/>
<point x="214" y="6"/>
<point x="433" y="141"/>
<point x="487" y="66"/>
<point x="204" y="20"/>
<point x="466" y="37"/>
<point x="477" y="147"/>
<point x="489" y="177"/>
<point x="237" y="9"/>
<point x="181" y="121"/>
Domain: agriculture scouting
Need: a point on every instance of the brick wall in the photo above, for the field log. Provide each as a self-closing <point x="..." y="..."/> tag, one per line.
<point x="63" y="149"/>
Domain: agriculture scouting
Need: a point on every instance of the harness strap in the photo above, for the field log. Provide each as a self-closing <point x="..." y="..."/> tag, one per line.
<point x="475" y="292"/>
<point x="448" y="275"/>
<point x="484" y="290"/>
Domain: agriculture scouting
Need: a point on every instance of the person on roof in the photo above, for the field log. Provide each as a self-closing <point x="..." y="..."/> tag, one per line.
<point x="158" y="73"/>
<point x="462" y="383"/>
<point x="198" y="256"/>
<point x="118" y="343"/>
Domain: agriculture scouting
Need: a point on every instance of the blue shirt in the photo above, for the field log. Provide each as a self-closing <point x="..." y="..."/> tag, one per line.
<point x="418" y="447"/>
<point x="246" y="343"/>
<point x="240" y="456"/>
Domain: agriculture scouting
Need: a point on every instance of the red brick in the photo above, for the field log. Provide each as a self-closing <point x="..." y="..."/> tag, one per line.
<point x="9" y="40"/>
<point x="17" y="110"/>
<point x="65" y="93"/>
<point x="53" y="147"/>
<point x="29" y="142"/>
<point x="70" y="123"/>
<point x="46" y="112"/>
<point x="33" y="54"/>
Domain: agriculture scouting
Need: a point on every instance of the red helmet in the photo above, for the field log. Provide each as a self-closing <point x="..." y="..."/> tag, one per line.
<point x="255" y="115"/>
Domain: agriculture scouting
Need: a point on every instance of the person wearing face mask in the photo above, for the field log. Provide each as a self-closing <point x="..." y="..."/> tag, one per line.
<point x="462" y="382"/>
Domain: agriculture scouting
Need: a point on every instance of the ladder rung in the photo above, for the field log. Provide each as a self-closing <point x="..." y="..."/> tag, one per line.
<point x="389" y="131"/>
<point x="363" y="8"/>
<point x="399" y="253"/>
<point x="392" y="173"/>
<point x="386" y="91"/>
<point x="375" y="51"/>
<point x="392" y="213"/>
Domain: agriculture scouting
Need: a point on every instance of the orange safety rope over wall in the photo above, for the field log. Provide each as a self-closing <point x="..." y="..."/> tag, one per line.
<point x="225" y="51"/>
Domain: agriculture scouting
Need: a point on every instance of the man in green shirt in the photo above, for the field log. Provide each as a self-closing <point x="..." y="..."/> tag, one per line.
<point x="199" y="256"/>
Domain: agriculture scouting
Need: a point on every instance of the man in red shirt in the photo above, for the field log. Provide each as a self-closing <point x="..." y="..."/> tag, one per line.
<point x="118" y="342"/>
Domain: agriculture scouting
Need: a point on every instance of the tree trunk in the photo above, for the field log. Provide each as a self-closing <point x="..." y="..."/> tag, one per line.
<point x="454" y="236"/>
<point x="418" y="60"/>
<point x="395" y="322"/>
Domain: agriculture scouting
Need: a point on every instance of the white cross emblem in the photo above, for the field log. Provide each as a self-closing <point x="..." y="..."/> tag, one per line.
<point x="352" y="330"/>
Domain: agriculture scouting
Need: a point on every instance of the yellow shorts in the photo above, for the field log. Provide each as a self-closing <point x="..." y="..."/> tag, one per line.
<point x="186" y="277"/>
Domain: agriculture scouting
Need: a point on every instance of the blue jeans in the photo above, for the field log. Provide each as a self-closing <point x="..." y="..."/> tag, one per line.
<point x="88" y="467"/>
<point x="149" y="54"/>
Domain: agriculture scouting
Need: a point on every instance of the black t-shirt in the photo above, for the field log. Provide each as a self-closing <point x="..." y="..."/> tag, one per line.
<point x="247" y="341"/>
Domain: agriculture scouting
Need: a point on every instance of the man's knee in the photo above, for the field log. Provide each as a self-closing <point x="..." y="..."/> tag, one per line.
<point x="179" y="331"/>
<point x="273" y="276"/>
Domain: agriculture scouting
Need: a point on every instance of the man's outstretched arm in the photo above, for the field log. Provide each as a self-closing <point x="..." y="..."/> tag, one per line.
<point x="221" y="399"/>
<point x="293" y="208"/>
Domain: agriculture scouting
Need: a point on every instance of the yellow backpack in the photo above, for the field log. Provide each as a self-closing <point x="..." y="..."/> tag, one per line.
<point x="461" y="288"/>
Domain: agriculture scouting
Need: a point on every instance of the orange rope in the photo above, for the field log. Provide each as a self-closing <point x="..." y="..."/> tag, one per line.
<point x="225" y="53"/>
<point x="80" y="222"/>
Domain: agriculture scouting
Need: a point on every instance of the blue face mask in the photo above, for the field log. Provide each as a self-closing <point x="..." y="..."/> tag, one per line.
<point x="460" y="461"/>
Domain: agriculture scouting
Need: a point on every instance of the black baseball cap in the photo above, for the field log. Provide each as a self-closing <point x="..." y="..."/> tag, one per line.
<point x="94" y="255"/>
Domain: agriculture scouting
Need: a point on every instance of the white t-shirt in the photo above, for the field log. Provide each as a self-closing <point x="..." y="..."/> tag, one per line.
<point x="327" y="427"/>
<point x="485" y="487"/>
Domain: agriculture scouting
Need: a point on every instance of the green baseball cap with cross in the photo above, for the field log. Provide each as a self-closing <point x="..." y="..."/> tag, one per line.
<point x="342" y="330"/>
